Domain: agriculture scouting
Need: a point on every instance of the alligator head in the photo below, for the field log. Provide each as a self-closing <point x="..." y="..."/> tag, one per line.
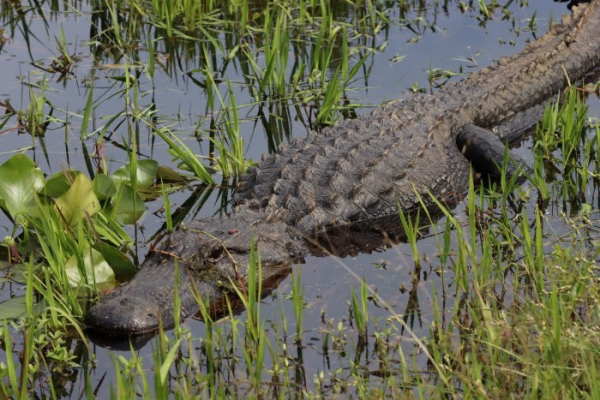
<point x="207" y="259"/>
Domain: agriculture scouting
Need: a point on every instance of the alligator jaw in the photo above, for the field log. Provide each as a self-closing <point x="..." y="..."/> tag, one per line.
<point x="145" y="302"/>
<point x="125" y="315"/>
<point x="207" y="263"/>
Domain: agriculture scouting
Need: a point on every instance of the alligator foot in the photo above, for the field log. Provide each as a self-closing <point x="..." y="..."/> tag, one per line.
<point x="486" y="153"/>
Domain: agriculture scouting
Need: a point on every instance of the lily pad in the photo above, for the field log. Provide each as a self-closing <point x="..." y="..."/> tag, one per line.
<point x="97" y="270"/>
<point x="78" y="200"/>
<point x="169" y="175"/>
<point x="130" y="206"/>
<point x="13" y="308"/>
<point x="59" y="183"/>
<point x="21" y="179"/>
<point x="146" y="173"/>
<point x="150" y="193"/>
<point x="18" y="272"/>
<point x="184" y="167"/>
<point x="104" y="187"/>
<point x="122" y="266"/>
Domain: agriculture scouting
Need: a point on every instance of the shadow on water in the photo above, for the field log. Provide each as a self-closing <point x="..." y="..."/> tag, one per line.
<point x="571" y="3"/>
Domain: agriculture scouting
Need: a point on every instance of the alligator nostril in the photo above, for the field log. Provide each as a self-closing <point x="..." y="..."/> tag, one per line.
<point x="216" y="253"/>
<point x="150" y="315"/>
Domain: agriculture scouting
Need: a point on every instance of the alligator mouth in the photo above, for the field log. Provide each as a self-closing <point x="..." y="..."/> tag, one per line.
<point x="126" y="315"/>
<point x="146" y="302"/>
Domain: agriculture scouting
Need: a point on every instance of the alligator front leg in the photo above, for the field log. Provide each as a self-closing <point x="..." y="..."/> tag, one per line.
<point x="486" y="152"/>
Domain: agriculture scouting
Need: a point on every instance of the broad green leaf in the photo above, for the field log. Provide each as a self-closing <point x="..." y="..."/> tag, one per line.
<point x="129" y="205"/>
<point x="104" y="187"/>
<point x="78" y="200"/>
<point x="13" y="308"/>
<point x="148" y="194"/>
<point x="185" y="167"/>
<point x="96" y="270"/>
<point x="122" y="266"/>
<point x="21" y="179"/>
<point x="18" y="272"/>
<point x="59" y="183"/>
<point x="168" y="175"/>
<point x="146" y="173"/>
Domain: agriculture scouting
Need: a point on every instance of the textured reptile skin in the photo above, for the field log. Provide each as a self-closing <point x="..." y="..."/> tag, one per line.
<point x="353" y="175"/>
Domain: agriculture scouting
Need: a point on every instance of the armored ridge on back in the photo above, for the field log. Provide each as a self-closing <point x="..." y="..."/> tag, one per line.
<point x="352" y="175"/>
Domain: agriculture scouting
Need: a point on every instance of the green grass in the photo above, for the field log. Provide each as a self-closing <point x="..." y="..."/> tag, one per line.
<point x="523" y="323"/>
<point x="541" y="341"/>
<point x="516" y="312"/>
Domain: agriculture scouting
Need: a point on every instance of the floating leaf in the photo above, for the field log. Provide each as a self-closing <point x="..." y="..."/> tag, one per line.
<point x="185" y="167"/>
<point x="78" y="200"/>
<point x="122" y="266"/>
<point x="129" y="205"/>
<point x="16" y="307"/>
<point x="18" y="272"/>
<point x="169" y="175"/>
<point x="20" y="180"/>
<point x="104" y="187"/>
<point x="13" y="308"/>
<point x="97" y="270"/>
<point x="150" y="193"/>
<point x="146" y="173"/>
<point x="59" y="183"/>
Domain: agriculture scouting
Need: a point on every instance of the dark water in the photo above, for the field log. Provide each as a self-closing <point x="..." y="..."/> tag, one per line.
<point x="443" y="39"/>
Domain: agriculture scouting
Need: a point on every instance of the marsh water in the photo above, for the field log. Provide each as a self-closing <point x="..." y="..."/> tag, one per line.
<point x="423" y="46"/>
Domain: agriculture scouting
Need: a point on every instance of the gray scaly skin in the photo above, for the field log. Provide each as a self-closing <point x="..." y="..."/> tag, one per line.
<point x="352" y="175"/>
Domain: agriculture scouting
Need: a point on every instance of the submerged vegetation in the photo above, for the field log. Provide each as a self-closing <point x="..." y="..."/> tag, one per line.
<point x="510" y="278"/>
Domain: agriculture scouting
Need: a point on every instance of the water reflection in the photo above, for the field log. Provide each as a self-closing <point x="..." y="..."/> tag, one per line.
<point x="182" y="64"/>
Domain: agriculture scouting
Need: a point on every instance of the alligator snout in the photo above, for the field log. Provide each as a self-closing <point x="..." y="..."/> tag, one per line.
<point x="145" y="302"/>
<point x="126" y="314"/>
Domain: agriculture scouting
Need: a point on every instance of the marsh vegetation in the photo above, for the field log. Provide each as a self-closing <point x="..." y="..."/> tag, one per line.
<point x="124" y="118"/>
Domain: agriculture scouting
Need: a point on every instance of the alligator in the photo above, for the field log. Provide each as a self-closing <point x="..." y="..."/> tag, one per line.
<point x="352" y="177"/>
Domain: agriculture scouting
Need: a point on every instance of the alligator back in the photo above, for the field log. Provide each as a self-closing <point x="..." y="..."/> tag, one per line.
<point x="360" y="169"/>
<point x="364" y="168"/>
